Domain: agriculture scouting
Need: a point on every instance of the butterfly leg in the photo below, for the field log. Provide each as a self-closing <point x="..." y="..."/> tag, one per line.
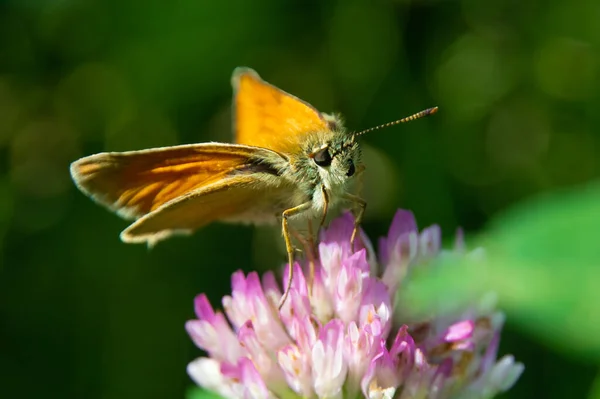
<point x="311" y="254"/>
<point x="288" y="244"/>
<point x="361" y="204"/>
<point x="309" y="250"/>
<point x="325" y="207"/>
<point x="311" y="261"/>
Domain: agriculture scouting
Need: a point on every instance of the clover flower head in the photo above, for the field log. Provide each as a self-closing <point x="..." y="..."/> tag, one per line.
<point x="347" y="335"/>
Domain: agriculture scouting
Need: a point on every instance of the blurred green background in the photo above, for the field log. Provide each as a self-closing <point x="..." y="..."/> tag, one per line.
<point x="86" y="316"/>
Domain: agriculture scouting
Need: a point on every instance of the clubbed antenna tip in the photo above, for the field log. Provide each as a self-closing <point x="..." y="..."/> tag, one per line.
<point x="418" y="115"/>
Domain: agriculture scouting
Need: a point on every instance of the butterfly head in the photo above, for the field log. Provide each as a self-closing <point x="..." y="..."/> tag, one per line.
<point x="337" y="159"/>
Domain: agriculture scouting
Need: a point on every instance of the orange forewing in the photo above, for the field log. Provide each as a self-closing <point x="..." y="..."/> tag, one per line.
<point x="138" y="182"/>
<point x="265" y="116"/>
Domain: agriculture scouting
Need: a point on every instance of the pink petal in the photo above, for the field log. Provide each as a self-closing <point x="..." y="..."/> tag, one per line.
<point x="237" y="306"/>
<point x="402" y="247"/>
<point x="249" y="303"/>
<point x="419" y="380"/>
<point x="382" y="246"/>
<point x="271" y="288"/>
<point x="298" y="303"/>
<point x="296" y="366"/>
<point x="328" y="366"/>
<point x="321" y="299"/>
<point x="403" y="352"/>
<point x="304" y="331"/>
<point x="403" y="223"/>
<point x="438" y="387"/>
<point x="430" y="241"/>
<point x="349" y="290"/>
<point x="361" y="345"/>
<point x="254" y="386"/>
<point x="331" y="256"/>
<point x="380" y="380"/>
<point x="268" y="328"/>
<point x="212" y="332"/>
<point x="261" y="358"/>
<point x="376" y="303"/>
<point x="460" y="331"/>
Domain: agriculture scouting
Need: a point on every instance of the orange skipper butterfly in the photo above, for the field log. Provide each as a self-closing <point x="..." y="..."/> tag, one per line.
<point x="288" y="161"/>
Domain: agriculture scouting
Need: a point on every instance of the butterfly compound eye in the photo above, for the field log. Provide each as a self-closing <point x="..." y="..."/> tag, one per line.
<point x="322" y="157"/>
<point x="351" y="168"/>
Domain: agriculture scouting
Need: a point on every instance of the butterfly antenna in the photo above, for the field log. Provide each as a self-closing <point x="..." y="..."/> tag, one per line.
<point x="418" y="115"/>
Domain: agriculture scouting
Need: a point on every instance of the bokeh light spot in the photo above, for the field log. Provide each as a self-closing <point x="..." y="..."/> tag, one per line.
<point x="358" y="62"/>
<point x="148" y="129"/>
<point x="518" y="134"/>
<point x="11" y="110"/>
<point x="40" y="157"/>
<point x="473" y="77"/>
<point x="94" y="98"/>
<point x="567" y="69"/>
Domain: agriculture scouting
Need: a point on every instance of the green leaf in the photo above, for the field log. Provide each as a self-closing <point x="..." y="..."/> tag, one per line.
<point x="199" y="393"/>
<point x="543" y="260"/>
<point x="595" y="391"/>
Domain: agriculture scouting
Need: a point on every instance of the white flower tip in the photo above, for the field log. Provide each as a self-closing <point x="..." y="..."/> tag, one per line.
<point x="506" y="373"/>
<point x="382" y="393"/>
<point x="206" y="372"/>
